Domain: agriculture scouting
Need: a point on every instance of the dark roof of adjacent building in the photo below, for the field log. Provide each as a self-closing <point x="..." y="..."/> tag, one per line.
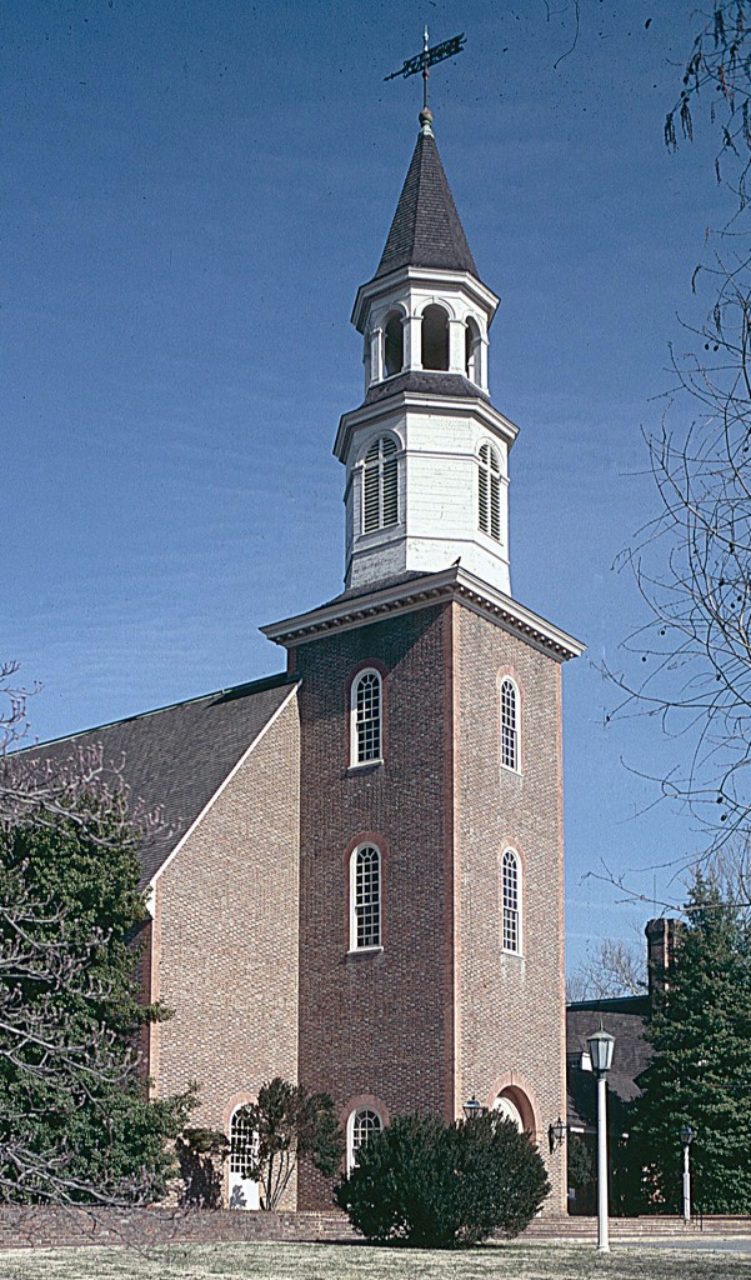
<point x="625" y="1018"/>
<point x="426" y="230"/>
<point x="175" y="758"/>
<point x="425" y="382"/>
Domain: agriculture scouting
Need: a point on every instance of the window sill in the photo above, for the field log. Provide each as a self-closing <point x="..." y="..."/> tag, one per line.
<point x="364" y="951"/>
<point x="507" y="768"/>
<point x="364" y="765"/>
<point x="516" y="955"/>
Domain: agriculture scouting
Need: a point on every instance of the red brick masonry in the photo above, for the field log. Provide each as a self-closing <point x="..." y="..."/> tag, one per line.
<point x="46" y="1228"/>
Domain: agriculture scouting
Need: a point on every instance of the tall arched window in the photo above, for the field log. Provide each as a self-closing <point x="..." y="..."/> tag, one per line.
<point x="365" y="897"/>
<point x="511" y="898"/>
<point x="380" y="486"/>
<point x="489" y="492"/>
<point x="509" y="724"/>
<point x="472" y="349"/>
<point x="366" y="717"/>
<point x="435" y="338"/>
<point x="393" y="345"/>
<point x="243" y="1144"/>
<point x="361" y="1127"/>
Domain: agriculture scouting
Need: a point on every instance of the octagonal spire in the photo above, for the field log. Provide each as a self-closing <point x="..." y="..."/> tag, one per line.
<point x="426" y="230"/>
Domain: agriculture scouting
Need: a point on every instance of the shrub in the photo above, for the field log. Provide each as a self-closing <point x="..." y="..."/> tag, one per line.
<point x="201" y="1154"/>
<point x="437" y="1185"/>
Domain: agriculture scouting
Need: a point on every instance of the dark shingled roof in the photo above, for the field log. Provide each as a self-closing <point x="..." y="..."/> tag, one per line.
<point x="175" y="758"/>
<point x="625" y="1018"/>
<point x="425" y="382"/>
<point x="426" y="231"/>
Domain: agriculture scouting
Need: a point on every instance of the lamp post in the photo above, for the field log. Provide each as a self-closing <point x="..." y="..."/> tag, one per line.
<point x="687" y="1137"/>
<point x="473" y="1108"/>
<point x="600" y="1046"/>
<point x="556" y="1135"/>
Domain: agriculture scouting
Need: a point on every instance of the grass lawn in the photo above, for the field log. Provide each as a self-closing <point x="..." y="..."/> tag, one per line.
<point x="360" y="1262"/>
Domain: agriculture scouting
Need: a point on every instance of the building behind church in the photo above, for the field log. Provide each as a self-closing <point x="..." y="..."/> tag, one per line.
<point x="359" y="884"/>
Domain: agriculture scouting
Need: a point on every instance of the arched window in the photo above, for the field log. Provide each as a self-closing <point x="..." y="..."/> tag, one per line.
<point x="509" y="724"/>
<point x="243" y="1144"/>
<point x="361" y="1127"/>
<point x="472" y="349"/>
<point x="435" y="338"/>
<point x="511" y="897"/>
<point x="365" y="897"/>
<point x="366" y="717"/>
<point x="393" y="345"/>
<point x="380" y="486"/>
<point x="489" y="492"/>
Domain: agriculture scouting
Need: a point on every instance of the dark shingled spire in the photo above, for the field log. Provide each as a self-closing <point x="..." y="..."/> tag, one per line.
<point x="426" y="231"/>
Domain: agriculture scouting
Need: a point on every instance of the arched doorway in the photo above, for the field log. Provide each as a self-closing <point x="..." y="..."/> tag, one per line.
<point x="514" y="1105"/>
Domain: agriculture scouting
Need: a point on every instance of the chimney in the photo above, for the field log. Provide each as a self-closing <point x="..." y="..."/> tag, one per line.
<point x="661" y="939"/>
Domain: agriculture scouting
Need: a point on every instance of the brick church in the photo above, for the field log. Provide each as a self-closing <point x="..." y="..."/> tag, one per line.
<point x="362" y="885"/>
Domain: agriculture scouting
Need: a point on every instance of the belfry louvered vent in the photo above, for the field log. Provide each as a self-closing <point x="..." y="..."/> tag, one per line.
<point x="489" y="492"/>
<point x="380" y="486"/>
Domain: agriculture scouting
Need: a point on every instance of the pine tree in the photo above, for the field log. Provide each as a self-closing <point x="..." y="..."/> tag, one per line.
<point x="701" y="1072"/>
<point x="76" y="1124"/>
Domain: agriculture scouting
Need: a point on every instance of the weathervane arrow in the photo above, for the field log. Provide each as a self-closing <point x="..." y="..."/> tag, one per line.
<point x="428" y="58"/>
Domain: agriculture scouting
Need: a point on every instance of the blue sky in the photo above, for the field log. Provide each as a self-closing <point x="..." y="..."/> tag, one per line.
<point x="197" y="190"/>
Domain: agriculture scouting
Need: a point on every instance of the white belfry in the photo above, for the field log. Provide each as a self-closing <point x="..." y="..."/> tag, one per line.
<point x="426" y="453"/>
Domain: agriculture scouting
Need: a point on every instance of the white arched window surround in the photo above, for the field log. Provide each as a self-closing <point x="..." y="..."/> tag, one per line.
<point x="393" y="343"/>
<point x="365" y="892"/>
<point x="489" y="491"/>
<point x="509" y="724"/>
<point x="472" y="348"/>
<point x="362" y="1123"/>
<point x="379" y="490"/>
<point x="511" y="902"/>
<point x="366" y="718"/>
<point x="243" y="1144"/>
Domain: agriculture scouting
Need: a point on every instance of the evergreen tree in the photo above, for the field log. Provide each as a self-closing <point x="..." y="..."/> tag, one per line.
<point x="701" y="1072"/>
<point x="76" y="1124"/>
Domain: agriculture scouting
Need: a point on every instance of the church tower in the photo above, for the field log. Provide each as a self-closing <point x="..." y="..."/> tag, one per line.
<point x="431" y="838"/>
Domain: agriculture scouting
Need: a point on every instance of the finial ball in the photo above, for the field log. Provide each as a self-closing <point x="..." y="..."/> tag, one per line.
<point x="426" y="119"/>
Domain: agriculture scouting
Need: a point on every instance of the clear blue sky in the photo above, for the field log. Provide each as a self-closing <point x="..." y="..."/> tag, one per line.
<point x="198" y="188"/>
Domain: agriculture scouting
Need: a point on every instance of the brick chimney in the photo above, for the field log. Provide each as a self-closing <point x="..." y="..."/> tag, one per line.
<point x="661" y="939"/>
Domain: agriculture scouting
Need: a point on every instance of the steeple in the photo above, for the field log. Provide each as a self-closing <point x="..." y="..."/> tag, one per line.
<point x="426" y="230"/>
<point x="426" y="453"/>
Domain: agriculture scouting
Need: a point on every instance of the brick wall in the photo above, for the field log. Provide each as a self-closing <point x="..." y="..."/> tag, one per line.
<point x="440" y="1012"/>
<point x="510" y="1008"/>
<point x="225" y="937"/>
<point x="377" y="1025"/>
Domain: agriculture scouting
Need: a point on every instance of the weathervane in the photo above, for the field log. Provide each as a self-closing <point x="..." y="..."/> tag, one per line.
<point x="425" y="60"/>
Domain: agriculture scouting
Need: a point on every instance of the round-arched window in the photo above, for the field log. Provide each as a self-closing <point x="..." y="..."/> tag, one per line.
<point x="489" y="492"/>
<point x="363" y="1125"/>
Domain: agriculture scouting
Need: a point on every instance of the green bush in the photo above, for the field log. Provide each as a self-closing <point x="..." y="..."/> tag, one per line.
<point x="436" y="1185"/>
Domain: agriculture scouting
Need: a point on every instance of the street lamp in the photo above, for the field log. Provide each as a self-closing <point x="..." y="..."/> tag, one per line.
<point x="473" y="1108"/>
<point x="687" y="1137"/>
<point x="556" y="1135"/>
<point x="600" y="1046"/>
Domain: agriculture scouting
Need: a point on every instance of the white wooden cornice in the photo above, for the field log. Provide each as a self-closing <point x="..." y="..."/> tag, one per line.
<point x="421" y="592"/>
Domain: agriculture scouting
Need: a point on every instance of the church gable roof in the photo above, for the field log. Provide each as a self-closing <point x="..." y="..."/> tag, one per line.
<point x="176" y="758"/>
<point x="426" y="230"/>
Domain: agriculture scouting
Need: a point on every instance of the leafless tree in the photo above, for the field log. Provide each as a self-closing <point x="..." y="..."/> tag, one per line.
<point x="49" y="1059"/>
<point x="689" y="665"/>
<point x="610" y="968"/>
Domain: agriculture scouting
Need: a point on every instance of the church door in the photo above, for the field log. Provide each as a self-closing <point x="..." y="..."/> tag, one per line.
<point x="243" y="1192"/>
